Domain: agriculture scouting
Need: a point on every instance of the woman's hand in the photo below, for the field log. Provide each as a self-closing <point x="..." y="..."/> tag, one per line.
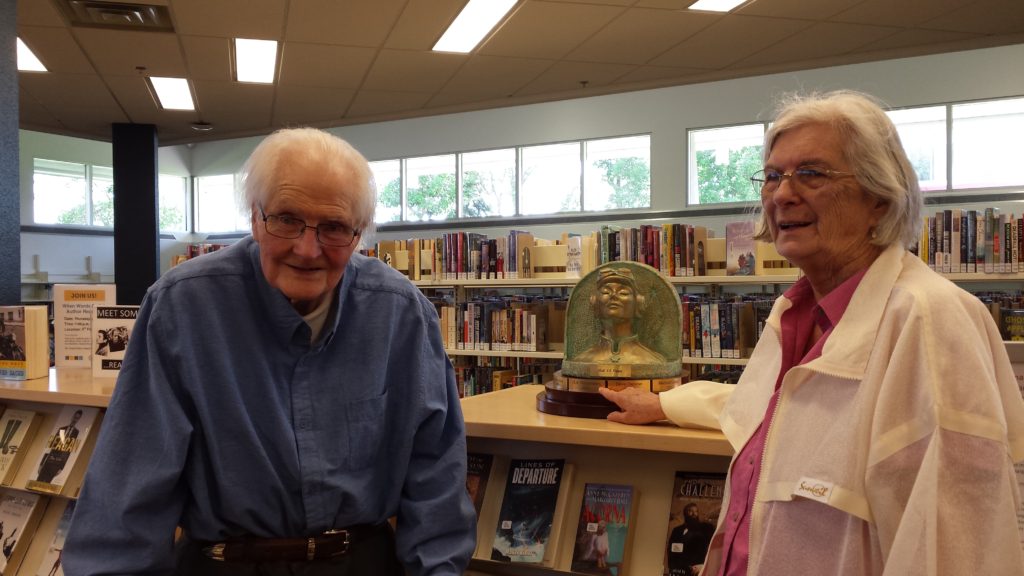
<point x="635" y="406"/>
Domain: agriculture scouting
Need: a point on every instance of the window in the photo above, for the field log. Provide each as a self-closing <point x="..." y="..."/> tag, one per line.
<point x="72" y="194"/>
<point x="617" y="173"/>
<point x="173" y="202"/>
<point x="988" y="143"/>
<point x="387" y="174"/>
<point x="488" y="183"/>
<point x="430" y="189"/>
<point x="721" y="161"/>
<point x="550" y="180"/>
<point x="923" y="134"/>
<point x="216" y="210"/>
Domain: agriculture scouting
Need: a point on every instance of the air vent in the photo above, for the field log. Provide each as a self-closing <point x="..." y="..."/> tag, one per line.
<point x="116" y="15"/>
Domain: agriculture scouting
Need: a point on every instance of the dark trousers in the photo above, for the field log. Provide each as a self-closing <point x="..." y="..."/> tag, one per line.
<point x="370" y="557"/>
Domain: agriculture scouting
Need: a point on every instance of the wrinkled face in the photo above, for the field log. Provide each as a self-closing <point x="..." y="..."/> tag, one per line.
<point x="302" y="268"/>
<point x="616" y="300"/>
<point x="817" y="229"/>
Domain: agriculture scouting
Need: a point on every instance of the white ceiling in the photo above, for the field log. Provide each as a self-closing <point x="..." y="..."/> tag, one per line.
<point x="356" y="61"/>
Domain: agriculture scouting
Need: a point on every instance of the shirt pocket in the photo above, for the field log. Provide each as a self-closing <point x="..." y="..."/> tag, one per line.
<point x="366" y="423"/>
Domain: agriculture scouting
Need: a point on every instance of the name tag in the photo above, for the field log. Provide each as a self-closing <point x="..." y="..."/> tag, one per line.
<point x="814" y="489"/>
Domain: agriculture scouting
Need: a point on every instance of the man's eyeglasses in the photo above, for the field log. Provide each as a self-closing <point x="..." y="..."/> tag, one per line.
<point x="327" y="233"/>
<point x="807" y="177"/>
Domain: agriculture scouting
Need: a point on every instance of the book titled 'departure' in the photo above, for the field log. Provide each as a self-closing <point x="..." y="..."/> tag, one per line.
<point x="112" y="330"/>
<point x="527" y="522"/>
<point x="64" y="443"/>
<point x="24" y="342"/>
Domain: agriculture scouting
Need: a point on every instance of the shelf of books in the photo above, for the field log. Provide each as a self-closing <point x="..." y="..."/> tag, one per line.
<point x="558" y="495"/>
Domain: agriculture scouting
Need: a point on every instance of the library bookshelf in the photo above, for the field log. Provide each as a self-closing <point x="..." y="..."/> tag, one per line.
<point x="506" y="423"/>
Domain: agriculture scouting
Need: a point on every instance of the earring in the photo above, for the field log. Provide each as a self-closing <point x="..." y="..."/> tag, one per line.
<point x="874" y="234"/>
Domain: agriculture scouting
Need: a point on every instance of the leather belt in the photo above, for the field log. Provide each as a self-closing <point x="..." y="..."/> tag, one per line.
<point x="330" y="544"/>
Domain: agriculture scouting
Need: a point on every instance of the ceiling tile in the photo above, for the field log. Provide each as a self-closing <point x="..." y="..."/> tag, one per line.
<point x="600" y="2"/>
<point x="915" y="37"/>
<point x="244" y="107"/>
<point x="983" y="17"/>
<point x="347" y="23"/>
<point x="35" y="116"/>
<point x="539" y="30"/>
<point x="401" y="70"/>
<point x="121" y="51"/>
<point x="38" y="13"/>
<point x="652" y="73"/>
<point x="138" y="102"/>
<point x="310" y="106"/>
<point x="818" y="41"/>
<point x="258" y="19"/>
<point x="208" y="57"/>
<point x="619" y="41"/>
<point x="487" y="78"/>
<point x="368" y="103"/>
<point x="56" y="49"/>
<point x="905" y="13"/>
<point x="798" y="9"/>
<point x="75" y="100"/>
<point x="324" y="66"/>
<point x="575" y="77"/>
<point x="422" y="23"/>
<point x="730" y="39"/>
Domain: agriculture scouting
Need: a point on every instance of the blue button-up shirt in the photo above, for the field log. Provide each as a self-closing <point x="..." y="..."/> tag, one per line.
<point x="227" y="421"/>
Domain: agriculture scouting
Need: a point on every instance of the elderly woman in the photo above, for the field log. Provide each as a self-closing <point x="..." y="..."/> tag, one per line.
<point x="878" y="419"/>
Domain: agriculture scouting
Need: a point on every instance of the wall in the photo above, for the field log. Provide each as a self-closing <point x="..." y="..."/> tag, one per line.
<point x="665" y="113"/>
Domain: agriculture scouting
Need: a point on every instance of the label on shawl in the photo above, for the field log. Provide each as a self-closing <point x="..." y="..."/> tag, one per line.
<point x="814" y="489"/>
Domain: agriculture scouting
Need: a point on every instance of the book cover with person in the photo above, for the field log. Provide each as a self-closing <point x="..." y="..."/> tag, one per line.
<point x="24" y="342"/>
<point x="112" y="330"/>
<point x="527" y="521"/>
<point x="20" y="513"/>
<point x="695" y="506"/>
<point x="17" y="428"/>
<point x="73" y="343"/>
<point x="51" y="562"/>
<point x="739" y="248"/>
<point x="605" y="528"/>
<point x="63" y="445"/>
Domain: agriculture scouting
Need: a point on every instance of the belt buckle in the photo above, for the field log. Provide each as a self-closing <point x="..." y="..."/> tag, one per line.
<point x="345" y="543"/>
<point x="215" y="552"/>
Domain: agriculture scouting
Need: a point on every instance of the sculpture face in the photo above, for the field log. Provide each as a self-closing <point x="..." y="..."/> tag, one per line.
<point x="616" y="300"/>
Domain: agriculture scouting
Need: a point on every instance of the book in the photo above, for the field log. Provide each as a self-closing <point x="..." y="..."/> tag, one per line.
<point x="605" y="529"/>
<point x="64" y="443"/>
<point x="72" y="321"/>
<point x="20" y="513"/>
<point x="528" y="520"/>
<point x="24" y="342"/>
<point x="112" y="329"/>
<point x="696" y="504"/>
<point x="739" y="248"/>
<point x="478" y="475"/>
<point x="51" y="562"/>
<point x="17" y="428"/>
<point x="1012" y="324"/>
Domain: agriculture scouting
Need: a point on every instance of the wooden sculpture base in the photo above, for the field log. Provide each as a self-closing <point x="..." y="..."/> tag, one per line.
<point x="579" y="398"/>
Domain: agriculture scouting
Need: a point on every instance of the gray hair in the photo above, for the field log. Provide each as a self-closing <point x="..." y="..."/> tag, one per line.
<point x="321" y="149"/>
<point x="871" y="145"/>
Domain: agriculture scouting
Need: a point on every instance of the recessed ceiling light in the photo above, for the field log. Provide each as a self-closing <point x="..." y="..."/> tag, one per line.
<point x="474" y="22"/>
<point x="255" y="60"/>
<point x="202" y="126"/>
<point x="716" y="5"/>
<point x="172" y="93"/>
<point x="27" y="61"/>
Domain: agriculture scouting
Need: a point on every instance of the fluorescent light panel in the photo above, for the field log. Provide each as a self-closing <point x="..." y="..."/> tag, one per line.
<point x="173" y="93"/>
<point x="255" y="60"/>
<point x="474" y="22"/>
<point x="716" y="5"/>
<point x="27" y="61"/>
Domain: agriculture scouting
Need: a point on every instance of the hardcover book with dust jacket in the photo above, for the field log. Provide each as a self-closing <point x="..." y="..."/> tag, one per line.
<point x="605" y="529"/>
<point x="695" y="506"/>
<point x="527" y="520"/>
<point x="24" y="342"/>
<point x="64" y="443"/>
<point x="20" y="513"/>
<point x="17" y="428"/>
